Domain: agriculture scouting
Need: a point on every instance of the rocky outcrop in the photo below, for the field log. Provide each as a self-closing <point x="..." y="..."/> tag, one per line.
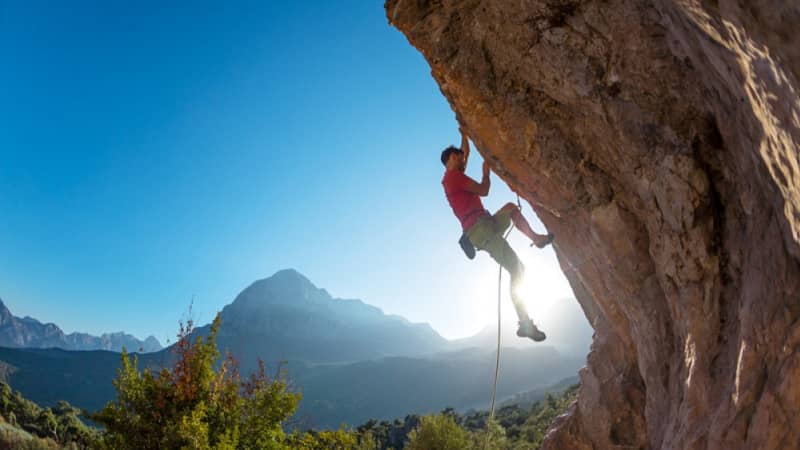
<point x="658" y="140"/>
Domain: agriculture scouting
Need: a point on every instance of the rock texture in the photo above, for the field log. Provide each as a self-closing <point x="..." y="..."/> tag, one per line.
<point x="658" y="140"/>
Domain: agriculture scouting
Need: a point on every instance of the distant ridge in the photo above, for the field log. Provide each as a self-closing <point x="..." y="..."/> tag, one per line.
<point x="28" y="332"/>
<point x="287" y="317"/>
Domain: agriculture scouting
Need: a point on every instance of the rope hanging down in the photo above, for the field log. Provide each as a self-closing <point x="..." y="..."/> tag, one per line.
<point x="499" y="296"/>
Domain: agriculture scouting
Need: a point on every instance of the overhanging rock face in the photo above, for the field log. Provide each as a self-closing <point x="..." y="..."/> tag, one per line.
<point x="659" y="141"/>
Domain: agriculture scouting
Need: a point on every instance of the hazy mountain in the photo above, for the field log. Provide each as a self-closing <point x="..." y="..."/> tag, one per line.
<point x="27" y="332"/>
<point x="393" y="387"/>
<point x="566" y="327"/>
<point x="286" y="317"/>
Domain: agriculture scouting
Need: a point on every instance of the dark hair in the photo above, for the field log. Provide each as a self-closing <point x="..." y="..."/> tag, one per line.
<point x="447" y="152"/>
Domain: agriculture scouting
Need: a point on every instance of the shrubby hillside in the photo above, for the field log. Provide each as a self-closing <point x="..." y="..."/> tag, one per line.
<point x="25" y="425"/>
<point x="198" y="403"/>
<point x="515" y="427"/>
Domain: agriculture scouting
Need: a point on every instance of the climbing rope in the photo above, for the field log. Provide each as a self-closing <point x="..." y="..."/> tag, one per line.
<point x="497" y="359"/>
<point x="499" y="297"/>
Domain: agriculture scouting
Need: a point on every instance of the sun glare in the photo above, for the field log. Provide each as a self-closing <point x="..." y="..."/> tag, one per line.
<point x="539" y="290"/>
<point x="542" y="288"/>
<point x="538" y="300"/>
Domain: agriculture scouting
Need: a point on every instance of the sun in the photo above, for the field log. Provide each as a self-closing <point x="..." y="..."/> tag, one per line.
<point x="537" y="298"/>
<point x="542" y="288"/>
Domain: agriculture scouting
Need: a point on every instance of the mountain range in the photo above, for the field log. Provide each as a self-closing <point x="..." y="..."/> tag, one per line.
<point x="28" y="332"/>
<point x="350" y="361"/>
<point x="286" y="317"/>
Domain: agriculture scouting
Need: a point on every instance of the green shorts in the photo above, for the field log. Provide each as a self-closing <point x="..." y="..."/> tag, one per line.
<point x="487" y="234"/>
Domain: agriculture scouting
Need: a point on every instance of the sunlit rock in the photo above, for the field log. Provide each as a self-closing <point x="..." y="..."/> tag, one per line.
<point x="659" y="142"/>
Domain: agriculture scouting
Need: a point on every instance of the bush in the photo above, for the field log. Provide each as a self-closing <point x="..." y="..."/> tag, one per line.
<point x="31" y="426"/>
<point x="513" y="427"/>
<point x="12" y="438"/>
<point x="332" y="440"/>
<point x="438" y="432"/>
<point x="493" y="438"/>
<point x="191" y="405"/>
<point x="542" y="416"/>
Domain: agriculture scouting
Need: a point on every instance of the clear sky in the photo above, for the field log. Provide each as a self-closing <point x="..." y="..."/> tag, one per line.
<point x="150" y="153"/>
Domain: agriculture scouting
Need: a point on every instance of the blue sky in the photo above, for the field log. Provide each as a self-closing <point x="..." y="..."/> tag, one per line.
<point x="150" y="154"/>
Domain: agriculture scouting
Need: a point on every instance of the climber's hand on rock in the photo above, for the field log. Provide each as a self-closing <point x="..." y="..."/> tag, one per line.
<point x="464" y="143"/>
<point x="485" y="169"/>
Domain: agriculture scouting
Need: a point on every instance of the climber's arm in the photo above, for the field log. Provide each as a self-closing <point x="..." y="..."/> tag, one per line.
<point x="464" y="145"/>
<point x="481" y="188"/>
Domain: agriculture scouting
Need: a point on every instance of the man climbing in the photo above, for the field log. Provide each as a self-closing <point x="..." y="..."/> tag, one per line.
<point x="485" y="230"/>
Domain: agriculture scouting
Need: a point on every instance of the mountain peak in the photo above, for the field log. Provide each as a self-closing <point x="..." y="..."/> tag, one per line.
<point x="289" y="276"/>
<point x="5" y="313"/>
<point x="288" y="312"/>
<point x="286" y="286"/>
<point x="288" y="272"/>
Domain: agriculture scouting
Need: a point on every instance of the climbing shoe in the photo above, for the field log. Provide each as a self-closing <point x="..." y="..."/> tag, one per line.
<point x="529" y="330"/>
<point x="547" y="241"/>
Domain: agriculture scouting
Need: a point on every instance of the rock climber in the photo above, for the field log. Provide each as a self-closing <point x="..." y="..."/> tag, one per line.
<point x="485" y="231"/>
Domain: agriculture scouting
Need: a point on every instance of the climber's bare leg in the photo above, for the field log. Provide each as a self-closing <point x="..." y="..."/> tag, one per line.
<point x="522" y="224"/>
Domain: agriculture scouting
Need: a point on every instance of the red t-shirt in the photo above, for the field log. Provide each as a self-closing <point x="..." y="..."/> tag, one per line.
<point x="466" y="205"/>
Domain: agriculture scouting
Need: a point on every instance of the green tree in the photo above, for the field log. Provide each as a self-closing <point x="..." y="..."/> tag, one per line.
<point x="47" y="423"/>
<point x="492" y="438"/>
<point x="541" y="416"/>
<point x="438" y="432"/>
<point x="5" y="397"/>
<point x="193" y="406"/>
<point x="59" y="426"/>
<point x="340" y="439"/>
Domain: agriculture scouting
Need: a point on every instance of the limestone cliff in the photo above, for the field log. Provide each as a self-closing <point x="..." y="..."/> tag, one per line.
<point x="658" y="140"/>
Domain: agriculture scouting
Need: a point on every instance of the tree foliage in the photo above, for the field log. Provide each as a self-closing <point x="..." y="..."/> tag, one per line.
<point x="192" y="405"/>
<point x="513" y="428"/>
<point x="27" y="425"/>
<point x="530" y="434"/>
<point x="440" y="432"/>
